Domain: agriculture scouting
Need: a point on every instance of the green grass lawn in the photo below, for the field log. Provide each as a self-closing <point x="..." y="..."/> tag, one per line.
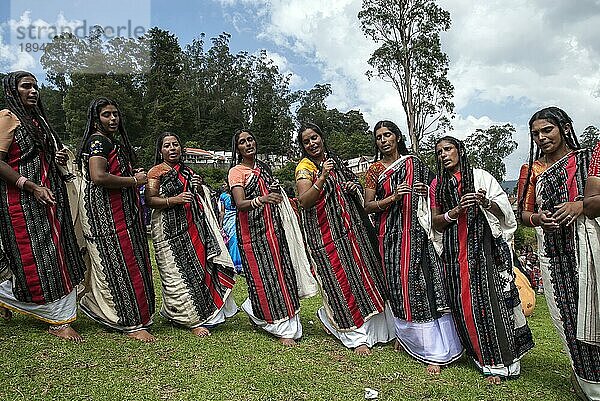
<point x="239" y="362"/>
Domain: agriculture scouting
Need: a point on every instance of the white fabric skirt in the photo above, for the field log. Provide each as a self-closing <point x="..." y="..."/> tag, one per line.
<point x="378" y="329"/>
<point x="61" y="311"/>
<point x="435" y="342"/>
<point x="290" y="328"/>
<point x="228" y="310"/>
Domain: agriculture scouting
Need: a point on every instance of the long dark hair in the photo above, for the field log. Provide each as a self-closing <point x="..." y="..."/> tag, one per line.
<point x="41" y="132"/>
<point x="558" y="118"/>
<point x="445" y="194"/>
<point x="94" y="125"/>
<point x="159" y="143"/>
<point x="402" y="150"/>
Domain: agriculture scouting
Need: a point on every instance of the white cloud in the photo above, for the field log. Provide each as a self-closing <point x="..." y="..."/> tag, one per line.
<point x="539" y="53"/>
<point x="285" y="68"/>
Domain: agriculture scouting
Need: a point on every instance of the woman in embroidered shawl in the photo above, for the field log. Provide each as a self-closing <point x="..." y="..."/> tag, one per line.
<point x="396" y="191"/>
<point x="344" y="251"/>
<point x="121" y="292"/>
<point x="266" y="246"/>
<point x="473" y="212"/>
<point x="227" y="215"/>
<point x="195" y="269"/>
<point x="40" y="261"/>
<point x="551" y="189"/>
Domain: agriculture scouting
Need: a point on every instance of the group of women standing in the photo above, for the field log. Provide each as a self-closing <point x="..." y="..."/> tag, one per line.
<point x="434" y="271"/>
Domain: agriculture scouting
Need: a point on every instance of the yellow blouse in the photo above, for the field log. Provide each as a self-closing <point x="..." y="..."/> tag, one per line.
<point x="306" y="169"/>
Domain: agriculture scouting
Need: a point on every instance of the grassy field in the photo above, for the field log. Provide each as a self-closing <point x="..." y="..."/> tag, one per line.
<point x="239" y="362"/>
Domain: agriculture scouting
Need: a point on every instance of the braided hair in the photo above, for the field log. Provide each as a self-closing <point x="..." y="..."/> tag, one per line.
<point x="94" y="125"/>
<point x="402" y="150"/>
<point x="158" y="158"/>
<point x="346" y="172"/>
<point x="40" y="132"/>
<point x="446" y="194"/>
<point x="558" y="118"/>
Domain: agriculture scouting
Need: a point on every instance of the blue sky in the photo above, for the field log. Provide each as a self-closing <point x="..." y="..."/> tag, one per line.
<point x="508" y="58"/>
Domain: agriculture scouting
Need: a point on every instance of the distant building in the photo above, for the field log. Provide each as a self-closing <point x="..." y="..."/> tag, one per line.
<point x="206" y="158"/>
<point x="360" y="165"/>
<point x="222" y="158"/>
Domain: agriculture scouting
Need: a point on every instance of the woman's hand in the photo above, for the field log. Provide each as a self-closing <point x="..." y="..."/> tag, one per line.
<point x="273" y="198"/>
<point x="61" y="157"/>
<point x="350" y="186"/>
<point x="480" y="197"/>
<point x="184" y="197"/>
<point x="141" y="178"/>
<point x="196" y="181"/>
<point x="566" y="213"/>
<point x="467" y="201"/>
<point x="400" y="191"/>
<point x="420" y="189"/>
<point x="327" y="167"/>
<point x="44" y="195"/>
<point x="547" y="221"/>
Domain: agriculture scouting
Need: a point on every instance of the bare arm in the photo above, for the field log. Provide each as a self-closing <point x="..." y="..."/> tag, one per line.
<point x="309" y="192"/>
<point x="7" y="174"/>
<point x="101" y="177"/>
<point x="442" y="220"/>
<point x="591" y="200"/>
<point x="372" y="205"/>
<point x="243" y="204"/>
<point x="155" y="201"/>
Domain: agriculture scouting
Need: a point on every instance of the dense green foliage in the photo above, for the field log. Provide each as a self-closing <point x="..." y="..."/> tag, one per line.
<point x="487" y="149"/>
<point x="202" y="93"/>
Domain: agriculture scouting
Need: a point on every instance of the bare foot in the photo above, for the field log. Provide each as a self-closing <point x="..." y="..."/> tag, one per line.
<point x="288" y="342"/>
<point x="142" y="335"/>
<point x="433" y="370"/>
<point x="5" y="313"/>
<point x="493" y="379"/>
<point x="397" y="346"/>
<point x="66" y="332"/>
<point x="362" y="350"/>
<point x="200" y="331"/>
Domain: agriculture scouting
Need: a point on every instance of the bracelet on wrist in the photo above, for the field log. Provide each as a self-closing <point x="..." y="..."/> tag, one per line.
<point x="531" y="220"/>
<point x="315" y="186"/>
<point x="378" y="206"/>
<point x="135" y="181"/>
<point x="168" y="202"/>
<point x="448" y="218"/>
<point x="20" y="183"/>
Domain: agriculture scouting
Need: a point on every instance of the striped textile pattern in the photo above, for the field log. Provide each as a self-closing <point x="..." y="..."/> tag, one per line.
<point x="482" y="293"/>
<point x="116" y="229"/>
<point x="38" y="241"/>
<point x="562" y="182"/>
<point x="344" y="252"/>
<point x="272" y="286"/>
<point x="184" y="231"/>
<point x="412" y="269"/>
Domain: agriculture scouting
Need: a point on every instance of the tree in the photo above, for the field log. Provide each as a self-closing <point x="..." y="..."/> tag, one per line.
<point x="410" y="57"/>
<point x="487" y="149"/>
<point x="590" y="137"/>
<point x="427" y="151"/>
<point x="347" y="134"/>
